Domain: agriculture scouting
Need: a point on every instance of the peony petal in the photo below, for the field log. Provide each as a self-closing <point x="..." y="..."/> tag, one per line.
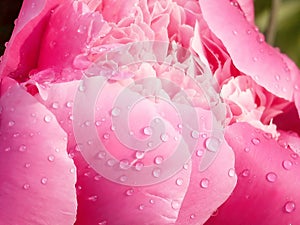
<point x="200" y="202"/>
<point x="248" y="8"/>
<point x="22" y="52"/>
<point x="268" y="187"/>
<point x="263" y="63"/>
<point x="37" y="177"/>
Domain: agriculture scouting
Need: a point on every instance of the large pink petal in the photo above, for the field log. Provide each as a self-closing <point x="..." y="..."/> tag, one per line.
<point x="246" y="46"/>
<point x="268" y="187"/>
<point x="22" y="51"/>
<point x="37" y="178"/>
<point x="248" y="8"/>
<point x="199" y="202"/>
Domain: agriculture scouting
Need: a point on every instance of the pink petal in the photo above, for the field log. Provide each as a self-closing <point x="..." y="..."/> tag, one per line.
<point x="268" y="187"/>
<point x="199" y="203"/>
<point x="249" y="52"/>
<point x="64" y="39"/>
<point x="37" y="176"/>
<point x="21" y="54"/>
<point x="248" y="8"/>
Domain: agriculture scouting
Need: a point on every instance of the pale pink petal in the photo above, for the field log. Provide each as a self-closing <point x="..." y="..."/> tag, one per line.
<point x="37" y="176"/>
<point x="250" y="54"/>
<point x="267" y="191"/>
<point x="248" y="8"/>
<point x="21" y="54"/>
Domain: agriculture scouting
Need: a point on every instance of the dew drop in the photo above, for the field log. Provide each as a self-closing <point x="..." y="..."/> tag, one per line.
<point x="44" y="180"/>
<point x="185" y="166"/>
<point x="139" y="154"/>
<point x="195" y="134"/>
<point x="156" y="172"/>
<point x="199" y="152"/>
<point x="139" y="166"/>
<point x="204" y="183"/>
<point x="27" y="165"/>
<point x="246" y="173"/>
<point x="147" y="131"/>
<point x="287" y="164"/>
<point x="193" y="216"/>
<point x="11" y="123"/>
<point x="26" y="186"/>
<point x="22" y="148"/>
<point x="54" y="105"/>
<point x="111" y="162"/>
<point x="249" y="32"/>
<point x="247" y="149"/>
<point x="175" y="204"/>
<point x="101" y="155"/>
<point x="271" y="177"/>
<point x="47" y="118"/>
<point x="93" y="198"/>
<point x="158" y="160"/>
<point x="123" y="178"/>
<point x="289" y="206"/>
<point x="7" y="149"/>
<point x="97" y="177"/>
<point x="255" y="141"/>
<point x="115" y="112"/>
<point x="51" y="158"/>
<point x="124" y="164"/>
<point x="231" y="172"/>
<point x="234" y="32"/>
<point x="164" y="137"/>
<point x="97" y="123"/>
<point x="69" y="104"/>
<point x="129" y="192"/>
<point x="141" y="207"/>
<point x="106" y="136"/>
<point x="212" y="144"/>
<point x="260" y="38"/>
<point x="179" y="181"/>
<point x="294" y="155"/>
<point x="72" y="170"/>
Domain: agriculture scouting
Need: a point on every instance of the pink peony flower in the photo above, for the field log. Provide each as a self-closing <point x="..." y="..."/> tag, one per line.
<point x="110" y="114"/>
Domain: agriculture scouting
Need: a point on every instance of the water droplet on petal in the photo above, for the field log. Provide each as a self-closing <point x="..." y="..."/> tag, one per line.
<point x="26" y="186"/>
<point x="255" y="141"/>
<point x="192" y="216"/>
<point x="186" y="166"/>
<point x="115" y="112"/>
<point x="55" y="105"/>
<point x="195" y="134"/>
<point x="124" y="164"/>
<point x="111" y="162"/>
<point x="141" y="207"/>
<point x="164" y="137"/>
<point x="151" y="201"/>
<point x="69" y="104"/>
<point x="271" y="177"/>
<point x="22" y="148"/>
<point x="260" y="38"/>
<point x="106" y="136"/>
<point x="11" y="123"/>
<point x="93" y="198"/>
<point x="101" y="155"/>
<point x="158" y="160"/>
<point x="123" y="178"/>
<point x="44" y="180"/>
<point x="27" y="165"/>
<point x="7" y="149"/>
<point x="97" y="177"/>
<point x="234" y="32"/>
<point x="51" y="158"/>
<point x="289" y="207"/>
<point x="147" y="131"/>
<point x="156" y="172"/>
<point x="231" y="172"/>
<point x="287" y="164"/>
<point x="199" y="152"/>
<point x="212" y="144"/>
<point x="139" y="154"/>
<point x="47" y="119"/>
<point x="175" y="204"/>
<point x="179" y="181"/>
<point x="246" y="149"/>
<point x="139" y="166"/>
<point x="204" y="183"/>
<point x="129" y="192"/>
<point x="246" y="173"/>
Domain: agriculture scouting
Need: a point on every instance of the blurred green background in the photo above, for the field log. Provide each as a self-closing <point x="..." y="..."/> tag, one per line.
<point x="286" y="18"/>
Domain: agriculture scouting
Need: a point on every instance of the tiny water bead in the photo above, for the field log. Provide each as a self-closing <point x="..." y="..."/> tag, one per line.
<point x="44" y="180"/>
<point x="97" y="177"/>
<point x="129" y="192"/>
<point x="111" y="162"/>
<point x="195" y="134"/>
<point x="158" y="160"/>
<point x="101" y="155"/>
<point x="179" y="181"/>
<point x="51" y="158"/>
<point x="247" y="149"/>
<point x="199" y="152"/>
<point x="93" y="198"/>
<point x="139" y="166"/>
<point x="47" y="118"/>
<point x="139" y="154"/>
<point x="255" y="141"/>
<point x="11" y="123"/>
<point x="22" y="148"/>
<point x="289" y="207"/>
<point x="55" y="105"/>
<point x="26" y="186"/>
<point x="141" y="207"/>
<point x="27" y="165"/>
<point x="156" y="172"/>
<point x="69" y="104"/>
<point x="193" y="216"/>
<point x="164" y="137"/>
<point x="115" y="112"/>
<point x="204" y="183"/>
<point x="246" y="173"/>
<point x="147" y="131"/>
<point x="212" y="144"/>
<point x="287" y="164"/>
<point x="151" y="201"/>
<point x="271" y="177"/>
<point x="231" y="172"/>
<point x="175" y="204"/>
<point x="124" y="164"/>
<point x="123" y="178"/>
<point x="106" y="136"/>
